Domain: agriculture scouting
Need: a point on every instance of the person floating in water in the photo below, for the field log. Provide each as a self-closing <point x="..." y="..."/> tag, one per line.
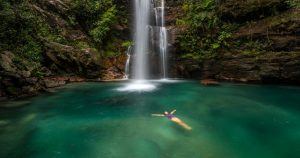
<point x="170" y="116"/>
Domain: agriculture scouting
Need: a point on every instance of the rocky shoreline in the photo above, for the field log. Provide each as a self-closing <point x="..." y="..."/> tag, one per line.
<point x="35" y="86"/>
<point x="20" y="78"/>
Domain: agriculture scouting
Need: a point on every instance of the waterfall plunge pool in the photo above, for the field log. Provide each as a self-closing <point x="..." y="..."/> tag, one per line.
<point x="95" y="120"/>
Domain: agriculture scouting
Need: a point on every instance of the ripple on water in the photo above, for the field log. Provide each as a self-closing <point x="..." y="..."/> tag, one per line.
<point x="91" y="120"/>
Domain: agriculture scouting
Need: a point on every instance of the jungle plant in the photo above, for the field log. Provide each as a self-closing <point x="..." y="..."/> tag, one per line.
<point x="205" y="33"/>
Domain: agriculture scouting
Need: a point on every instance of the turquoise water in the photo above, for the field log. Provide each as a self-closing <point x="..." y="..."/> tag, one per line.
<point x="94" y="120"/>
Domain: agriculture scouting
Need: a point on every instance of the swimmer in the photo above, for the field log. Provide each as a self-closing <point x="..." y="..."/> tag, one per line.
<point x="170" y="116"/>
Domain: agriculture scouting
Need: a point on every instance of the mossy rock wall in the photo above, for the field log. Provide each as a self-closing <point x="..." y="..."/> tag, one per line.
<point x="263" y="42"/>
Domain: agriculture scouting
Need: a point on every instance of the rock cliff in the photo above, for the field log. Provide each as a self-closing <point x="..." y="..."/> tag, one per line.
<point x="263" y="47"/>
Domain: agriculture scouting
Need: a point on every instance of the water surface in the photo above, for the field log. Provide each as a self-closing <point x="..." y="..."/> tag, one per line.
<point x="95" y="120"/>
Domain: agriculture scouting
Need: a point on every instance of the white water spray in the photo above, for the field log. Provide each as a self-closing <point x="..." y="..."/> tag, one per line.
<point x="141" y="38"/>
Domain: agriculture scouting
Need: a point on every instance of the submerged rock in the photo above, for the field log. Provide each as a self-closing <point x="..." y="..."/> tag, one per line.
<point x="3" y="123"/>
<point x="209" y="82"/>
<point x="14" y="104"/>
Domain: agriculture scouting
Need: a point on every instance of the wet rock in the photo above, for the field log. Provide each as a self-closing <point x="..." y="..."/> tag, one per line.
<point x="112" y="74"/>
<point x="85" y="62"/>
<point x="76" y="79"/>
<point x="188" y="69"/>
<point x="270" y="67"/>
<point x="32" y="80"/>
<point x="54" y="83"/>
<point x="6" y="62"/>
<point x="25" y="74"/>
<point x="113" y="68"/>
<point x="267" y="67"/>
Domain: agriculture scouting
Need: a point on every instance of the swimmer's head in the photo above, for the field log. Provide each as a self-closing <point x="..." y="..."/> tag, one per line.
<point x="166" y="113"/>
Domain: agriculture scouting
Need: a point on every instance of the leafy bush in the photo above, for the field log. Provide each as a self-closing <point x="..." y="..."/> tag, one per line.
<point x="205" y="34"/>
<point x="293" y="3"/>
<point x="103" y="25"/>
<point x="127" y="44"/>
<point x="20" y="29"/>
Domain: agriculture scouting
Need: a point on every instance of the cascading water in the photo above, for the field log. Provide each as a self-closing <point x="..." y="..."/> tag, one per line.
<point x="141" y="38"/>
<point x="162" y="37"/>
<point x="141" y="52"/>
<point x="127" y="66"/>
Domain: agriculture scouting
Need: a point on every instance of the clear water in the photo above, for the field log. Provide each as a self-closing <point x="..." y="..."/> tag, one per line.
<point x="94" y="120"/>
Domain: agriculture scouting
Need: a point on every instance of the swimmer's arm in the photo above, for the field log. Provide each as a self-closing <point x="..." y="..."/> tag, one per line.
<point x="173" y="111"/>
<point x="157" y="115"/>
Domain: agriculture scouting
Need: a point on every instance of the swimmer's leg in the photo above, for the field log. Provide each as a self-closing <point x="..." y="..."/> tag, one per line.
<point x="181" y="123"/>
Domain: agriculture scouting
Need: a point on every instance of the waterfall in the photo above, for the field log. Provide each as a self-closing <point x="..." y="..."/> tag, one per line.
<point x="144" y="34"/>
<point x="141" y="38"/>
<point x="127" y="66"/>
<point x="163" y="40"/>
<point x="147" y="32"/>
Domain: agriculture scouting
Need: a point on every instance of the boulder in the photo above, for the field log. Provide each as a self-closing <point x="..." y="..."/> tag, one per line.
<point x="53" y="83"/>
<point x="85" y="62"/>
<point x="6" y="62"/>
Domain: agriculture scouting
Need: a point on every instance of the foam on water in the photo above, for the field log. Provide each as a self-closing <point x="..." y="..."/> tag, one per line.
<point x="138" y="86"/>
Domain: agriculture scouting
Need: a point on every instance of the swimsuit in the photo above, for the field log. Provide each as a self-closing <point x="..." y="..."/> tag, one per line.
<point x="169" y="116"/>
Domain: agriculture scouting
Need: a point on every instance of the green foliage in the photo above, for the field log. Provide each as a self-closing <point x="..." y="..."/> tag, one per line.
<point x="103" y="25"/>
<point x="37" y="73"/>
<point x="24" y="30"/>
<point x="82" y="45"/>
<point x="95" y="17"/>
<point x="127" y="44"/>
<point x="293" y="3"/>
<point x="206" y="34"/>
<point x="110" y="53"/>
<point x="253" y="47"/>
<point x="89" y="11"/>
<point x="19" y="30"/>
